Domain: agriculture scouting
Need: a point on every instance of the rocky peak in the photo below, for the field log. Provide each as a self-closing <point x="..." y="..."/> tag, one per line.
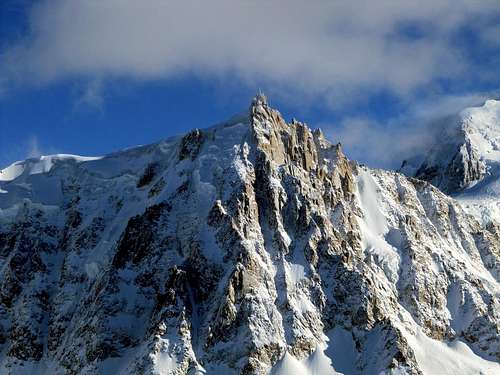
<point x="259" y="100"/>
<point x="252" y="247"/>
<point x="291" y="142"/>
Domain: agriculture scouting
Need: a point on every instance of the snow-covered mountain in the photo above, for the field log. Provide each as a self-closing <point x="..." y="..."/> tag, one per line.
<point x="465" y="162"/>
<point x="252" y="247"/>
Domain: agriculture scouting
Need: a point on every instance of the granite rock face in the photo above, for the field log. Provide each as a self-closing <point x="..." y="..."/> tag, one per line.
<point x="252" y="247"/>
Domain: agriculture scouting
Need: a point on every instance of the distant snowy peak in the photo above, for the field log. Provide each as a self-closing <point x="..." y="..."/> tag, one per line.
<point x="482" y="126"/>
<point x="465" y="160"/>
<point x="42" y="164"/>
<point x="465" y="150"/>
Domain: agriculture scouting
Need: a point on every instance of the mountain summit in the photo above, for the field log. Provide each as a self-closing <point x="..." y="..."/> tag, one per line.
<point x="252" y="247"/>
<point x="466" y="161"/>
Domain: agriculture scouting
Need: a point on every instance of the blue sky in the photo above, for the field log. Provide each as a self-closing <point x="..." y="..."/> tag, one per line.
<point x="91" y="77"/>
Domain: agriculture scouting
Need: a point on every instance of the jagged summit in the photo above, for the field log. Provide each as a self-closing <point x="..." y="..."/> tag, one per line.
<point x="251" y="247"/>
<point x="259" y="114"/>
<point x="259" y="99"/>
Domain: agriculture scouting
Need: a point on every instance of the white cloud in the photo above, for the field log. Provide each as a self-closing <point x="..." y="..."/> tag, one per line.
<point x="445" y="105"/>
<point x="386" y="145"/>
<point x="327" y="48"/>
<point x="378" y="145"/>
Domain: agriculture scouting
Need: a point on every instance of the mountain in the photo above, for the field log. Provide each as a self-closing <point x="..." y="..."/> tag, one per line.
<point x="252" y="247"/>
<point x="465" y="161"/>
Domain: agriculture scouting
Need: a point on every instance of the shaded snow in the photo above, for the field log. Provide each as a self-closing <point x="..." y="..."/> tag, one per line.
<point x="342" y="351"/>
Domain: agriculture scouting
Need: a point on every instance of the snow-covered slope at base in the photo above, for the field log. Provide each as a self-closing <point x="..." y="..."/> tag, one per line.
<point x="253" y="247"/>
<point x="456" y="357"/>
<point x="317" y="364"/>
<point x="434" y="358"/>
<point x="445" y="358"/>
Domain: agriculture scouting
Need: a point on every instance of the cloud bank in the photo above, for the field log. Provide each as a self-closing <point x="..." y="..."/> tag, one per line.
<point x="333" y="49"/>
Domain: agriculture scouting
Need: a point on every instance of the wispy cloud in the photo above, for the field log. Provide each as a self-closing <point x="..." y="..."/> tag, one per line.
<point x="376" y="144"/>
<point x="91" y="95"/>
<point x="33" y="148"/>
<point x="322" y="49"/>
<point x="387" y="144"/>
